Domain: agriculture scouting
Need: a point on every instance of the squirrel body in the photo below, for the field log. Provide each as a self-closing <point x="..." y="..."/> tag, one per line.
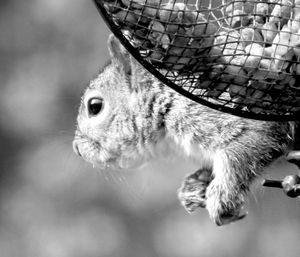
<point x="137" y="114"/>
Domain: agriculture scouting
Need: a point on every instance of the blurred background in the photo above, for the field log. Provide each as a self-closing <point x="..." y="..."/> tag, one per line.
<point x="53" y="204"/>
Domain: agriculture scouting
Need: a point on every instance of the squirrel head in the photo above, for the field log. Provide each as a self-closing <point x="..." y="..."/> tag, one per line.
<point x="114" y="123"/>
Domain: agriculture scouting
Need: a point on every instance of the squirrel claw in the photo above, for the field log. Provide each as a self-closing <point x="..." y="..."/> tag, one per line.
<point x="192" y="192"/>
<point x="228" y="218"/>
<point x="191" y="201"/>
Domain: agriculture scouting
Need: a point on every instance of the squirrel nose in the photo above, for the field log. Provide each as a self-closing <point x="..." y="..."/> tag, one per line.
<point x="76" y="148"/>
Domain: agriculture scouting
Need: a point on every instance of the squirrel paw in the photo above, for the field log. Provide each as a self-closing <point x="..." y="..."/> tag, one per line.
<point x="222" y="208"/>
<point x="200" y="190"/>
<point x="193" y="190"/>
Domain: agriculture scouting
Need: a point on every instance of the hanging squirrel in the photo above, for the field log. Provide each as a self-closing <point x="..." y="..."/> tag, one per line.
<point x="126" y="115"/>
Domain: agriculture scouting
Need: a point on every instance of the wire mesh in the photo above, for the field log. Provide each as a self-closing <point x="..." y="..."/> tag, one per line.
<point x="237" y="56"/>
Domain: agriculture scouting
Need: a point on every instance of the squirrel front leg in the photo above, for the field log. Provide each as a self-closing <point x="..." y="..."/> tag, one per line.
<point x="226" y="192"/>
<point x="222" y="188"/>
<point x="219" y="189"/>
<point x="235" y="167"/>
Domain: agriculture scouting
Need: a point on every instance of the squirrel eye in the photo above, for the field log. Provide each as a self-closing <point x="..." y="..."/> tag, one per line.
<point x="95" y="106"/>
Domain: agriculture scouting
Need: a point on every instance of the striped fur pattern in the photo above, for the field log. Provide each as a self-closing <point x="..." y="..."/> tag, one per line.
<point x="141" y="115"/>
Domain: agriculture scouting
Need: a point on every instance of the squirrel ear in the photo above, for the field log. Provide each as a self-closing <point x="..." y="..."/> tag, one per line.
<point x="118" y="53"/>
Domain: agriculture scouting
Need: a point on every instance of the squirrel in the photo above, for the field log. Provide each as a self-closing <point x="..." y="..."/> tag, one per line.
<point x="126" y="114"/>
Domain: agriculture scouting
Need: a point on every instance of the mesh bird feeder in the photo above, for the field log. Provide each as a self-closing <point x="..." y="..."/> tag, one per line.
<point x="237" y="56"/>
